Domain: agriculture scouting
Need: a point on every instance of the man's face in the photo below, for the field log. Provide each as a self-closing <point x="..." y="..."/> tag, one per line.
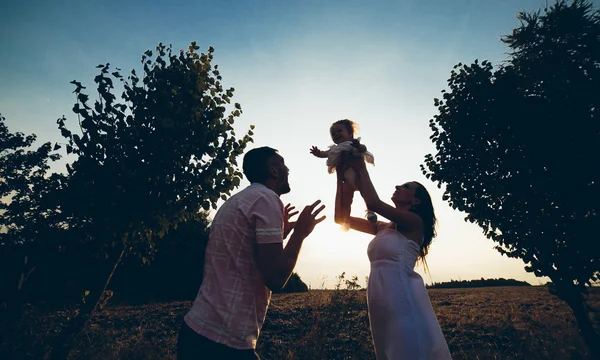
<point x="278" y="170"/>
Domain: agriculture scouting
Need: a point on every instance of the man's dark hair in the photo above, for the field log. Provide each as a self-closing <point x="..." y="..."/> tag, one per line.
<point x="255" y="165"/>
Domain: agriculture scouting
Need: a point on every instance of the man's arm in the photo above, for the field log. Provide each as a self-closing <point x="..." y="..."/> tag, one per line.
<point x="275" y="262"/>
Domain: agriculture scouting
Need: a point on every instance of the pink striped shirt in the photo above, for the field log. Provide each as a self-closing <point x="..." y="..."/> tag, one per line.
<point x="232" y="302"/>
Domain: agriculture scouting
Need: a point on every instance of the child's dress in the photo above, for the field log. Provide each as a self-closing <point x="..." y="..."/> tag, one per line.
<point x="334" y="154"/>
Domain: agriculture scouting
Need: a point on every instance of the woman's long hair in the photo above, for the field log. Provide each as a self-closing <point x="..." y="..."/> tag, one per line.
<point x="425" y="210"/>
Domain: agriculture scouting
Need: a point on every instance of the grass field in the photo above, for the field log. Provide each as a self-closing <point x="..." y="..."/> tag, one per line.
<point x="479" y="323"/>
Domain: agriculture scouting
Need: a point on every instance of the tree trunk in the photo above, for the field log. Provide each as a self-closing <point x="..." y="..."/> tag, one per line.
<point x="586" y="328"/>
<point x="13" y="310"/>
<point x="63" y="342"/>
<point x="105" y="286"/>
<point x="569" y="293"/>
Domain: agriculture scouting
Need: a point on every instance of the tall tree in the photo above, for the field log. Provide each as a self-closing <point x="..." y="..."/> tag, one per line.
<point x="28" y="216"/>
<point x="147" y="163"/>
<point x="175" y="273"/>
<point x="516" y="149"/>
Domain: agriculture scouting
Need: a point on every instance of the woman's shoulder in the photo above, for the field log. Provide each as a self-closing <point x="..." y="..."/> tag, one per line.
<point x="383" y="225"/>
<point x="416" y="237"/>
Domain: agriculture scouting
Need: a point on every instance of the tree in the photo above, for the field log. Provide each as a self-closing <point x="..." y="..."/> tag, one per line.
<point x="516" y="149"/>
<point x="293" y="285"/>
<point x="175" y="274"/>
<point x="28" y="215"/>
<point x="148" y="163"/>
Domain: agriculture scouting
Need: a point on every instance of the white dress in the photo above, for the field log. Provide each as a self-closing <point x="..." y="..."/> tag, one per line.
<point x="334" y="154"/>
<point x="403" y="323"/>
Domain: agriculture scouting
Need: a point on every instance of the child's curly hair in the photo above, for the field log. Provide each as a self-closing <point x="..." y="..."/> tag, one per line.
<point x="350" y="125"/>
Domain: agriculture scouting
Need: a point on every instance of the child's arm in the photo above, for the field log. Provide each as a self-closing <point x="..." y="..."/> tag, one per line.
<point x="319" y="153"/>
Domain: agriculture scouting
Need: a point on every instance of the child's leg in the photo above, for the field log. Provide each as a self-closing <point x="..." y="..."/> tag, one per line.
<point x="352" y="185"/>
<point x="351" y="178"/>
<point x="347" y="199"/>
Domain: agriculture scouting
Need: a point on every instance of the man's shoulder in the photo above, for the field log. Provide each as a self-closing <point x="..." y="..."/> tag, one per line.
<point x="252" y="194"/>
<point x="257" y="190"/>
<point x="247" y="203"/>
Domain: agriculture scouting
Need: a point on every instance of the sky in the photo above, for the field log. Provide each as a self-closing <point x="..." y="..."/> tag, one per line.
<point x="296" y="66"/>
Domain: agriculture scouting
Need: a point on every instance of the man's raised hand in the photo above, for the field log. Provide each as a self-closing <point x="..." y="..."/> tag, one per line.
<point x="308" y="219"/>
<point x="287" y="215"/>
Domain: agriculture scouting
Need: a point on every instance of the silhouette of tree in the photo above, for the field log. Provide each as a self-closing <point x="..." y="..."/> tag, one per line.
<point x="175" y="274"/>
<point x="453" y="284"/>
<point x="293" y="285"/>
<point x="516" y="148"/>
<point x="148" y="163"/>
<point x="27" y="216"/>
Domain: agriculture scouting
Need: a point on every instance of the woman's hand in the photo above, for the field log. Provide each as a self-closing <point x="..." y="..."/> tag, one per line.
<point x="347" y="160"/>
<point x="355" y="162"/>
<point x="361" y="148"/>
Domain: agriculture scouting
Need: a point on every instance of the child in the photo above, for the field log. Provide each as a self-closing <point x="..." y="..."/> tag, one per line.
<point x="342" y="134"/>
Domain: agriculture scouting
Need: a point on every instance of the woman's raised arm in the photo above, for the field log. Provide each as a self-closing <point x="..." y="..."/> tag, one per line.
<point x="402" y="217"/>
<point x="343" y="204"/>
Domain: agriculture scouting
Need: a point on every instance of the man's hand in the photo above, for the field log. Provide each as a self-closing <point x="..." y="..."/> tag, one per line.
<point x="307" y="219"/>
<point x="287" y="215"/>
<point x="275" y="262"/>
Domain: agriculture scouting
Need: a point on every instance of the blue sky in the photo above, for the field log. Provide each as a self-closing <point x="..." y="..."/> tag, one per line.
<point x="297" y="66"/>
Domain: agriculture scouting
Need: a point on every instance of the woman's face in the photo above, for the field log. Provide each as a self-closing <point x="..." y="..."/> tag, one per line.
<point x="405" y="194"/>
<point x="339" y="133"/>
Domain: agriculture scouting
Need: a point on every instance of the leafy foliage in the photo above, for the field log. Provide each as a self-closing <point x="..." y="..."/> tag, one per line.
<point x="24" y="186"/>
<point x="28" y="218"/>
<point x="156" y="159"/>
<point x="516" y="147"/>
<point x="147" y="163"/>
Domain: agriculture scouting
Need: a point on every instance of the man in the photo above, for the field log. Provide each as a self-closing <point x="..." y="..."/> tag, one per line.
<point x="245" y="260"/>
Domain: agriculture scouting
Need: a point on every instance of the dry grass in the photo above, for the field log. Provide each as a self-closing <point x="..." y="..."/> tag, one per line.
<point x="508" y="323"/>
<point x="480" y="323"/>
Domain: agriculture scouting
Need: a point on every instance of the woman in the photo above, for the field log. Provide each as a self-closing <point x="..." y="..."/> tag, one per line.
<point x="403" y="323"/>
